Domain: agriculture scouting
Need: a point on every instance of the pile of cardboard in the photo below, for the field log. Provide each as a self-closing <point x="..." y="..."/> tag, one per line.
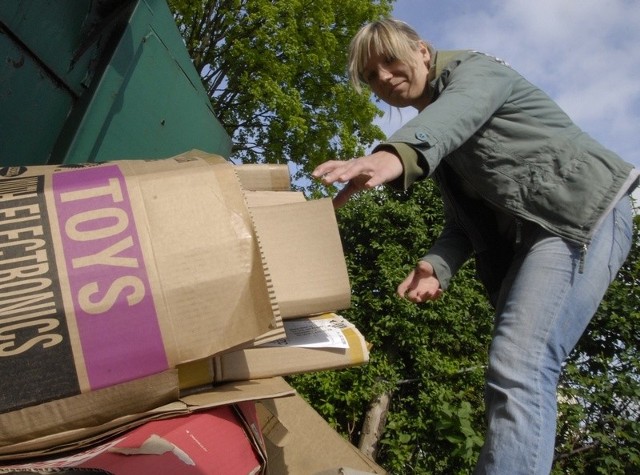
<point x="167" y="292"/>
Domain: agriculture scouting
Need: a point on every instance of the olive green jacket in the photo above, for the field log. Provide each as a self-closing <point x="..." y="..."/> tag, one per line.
<point x="491" y="133"/>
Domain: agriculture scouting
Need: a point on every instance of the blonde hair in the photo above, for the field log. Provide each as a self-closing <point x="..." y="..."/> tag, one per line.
<point x="389" y="37"/>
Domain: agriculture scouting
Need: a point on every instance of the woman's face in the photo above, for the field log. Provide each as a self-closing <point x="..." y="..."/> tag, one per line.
<point x="399" y="84"/>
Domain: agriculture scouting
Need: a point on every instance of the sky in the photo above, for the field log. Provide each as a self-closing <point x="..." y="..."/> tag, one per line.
<point x="584" y="53"/>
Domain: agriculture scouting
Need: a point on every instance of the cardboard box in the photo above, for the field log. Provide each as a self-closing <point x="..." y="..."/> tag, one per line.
<point x="97" y="257"/>
<point x="314" y="343"/>
<point x="113" y="274"/>
<point x="226" y="440"/>
<point x="300" y="441"/>
<point x="298" y="240"/>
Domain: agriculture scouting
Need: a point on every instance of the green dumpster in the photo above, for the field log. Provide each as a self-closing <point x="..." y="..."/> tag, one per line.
<point x="91" y="81"/>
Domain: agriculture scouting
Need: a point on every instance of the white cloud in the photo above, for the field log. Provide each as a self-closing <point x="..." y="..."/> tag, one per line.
<point x="584" y="53"/>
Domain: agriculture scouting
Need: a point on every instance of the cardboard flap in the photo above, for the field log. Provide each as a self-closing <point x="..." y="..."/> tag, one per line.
<point x="218" y="278"/>
<point x="271" y="198"/>
<point x="264" y="177"/>
<point x="32" y="427"/>
<point x="240" y="391"/>
<point x="304" y="257"/>
<point x="311" y="445"/>
<point x="255" y="177"/>
<point x="52" y="421"/>
<point x="272" y="428"/>
<point x="329" y="342"/>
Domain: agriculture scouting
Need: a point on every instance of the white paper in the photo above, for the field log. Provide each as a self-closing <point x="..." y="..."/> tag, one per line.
<point x="155" y="445"/>
<point x="314" y="333"/>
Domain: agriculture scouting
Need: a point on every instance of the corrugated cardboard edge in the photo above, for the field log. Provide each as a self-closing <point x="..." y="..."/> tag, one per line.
<point x="264" y="177"/>
<point x="276" y="326"/>
<point x="272" y="198"/>
<point x="241" y="391"/>
<point x="247" y="412"/>
<point x="254" y="177"/>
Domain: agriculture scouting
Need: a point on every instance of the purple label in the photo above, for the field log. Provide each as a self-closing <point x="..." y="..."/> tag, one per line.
<point x="116" y="317"/>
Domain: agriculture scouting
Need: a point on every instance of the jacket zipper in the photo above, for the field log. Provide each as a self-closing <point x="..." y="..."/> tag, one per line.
<point x="518" y="231"/>
<point x="518" y="237"/>
<point x="583" y="255"/>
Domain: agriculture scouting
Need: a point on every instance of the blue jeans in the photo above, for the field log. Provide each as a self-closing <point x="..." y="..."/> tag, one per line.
<point x="544" y="307"/>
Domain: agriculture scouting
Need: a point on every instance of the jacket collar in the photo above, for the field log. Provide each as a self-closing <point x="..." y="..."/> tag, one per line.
<point x="443" y="58"/>
<point x="440" y="61"/>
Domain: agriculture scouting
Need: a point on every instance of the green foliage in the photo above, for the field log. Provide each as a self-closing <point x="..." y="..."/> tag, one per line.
<point x="455" y="424"/>
<point x="431" y="357"/>
<point x="276" y="75"/>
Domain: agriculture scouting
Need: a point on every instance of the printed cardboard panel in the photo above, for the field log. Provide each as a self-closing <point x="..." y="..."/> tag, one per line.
<point x="115" y="272"/>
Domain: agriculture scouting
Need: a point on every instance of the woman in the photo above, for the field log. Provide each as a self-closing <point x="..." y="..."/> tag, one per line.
<point x="544" y="209"/>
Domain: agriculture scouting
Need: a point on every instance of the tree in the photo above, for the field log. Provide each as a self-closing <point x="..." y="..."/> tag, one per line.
<point x="429" y="360"/>
<point x="276" y="76"/>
